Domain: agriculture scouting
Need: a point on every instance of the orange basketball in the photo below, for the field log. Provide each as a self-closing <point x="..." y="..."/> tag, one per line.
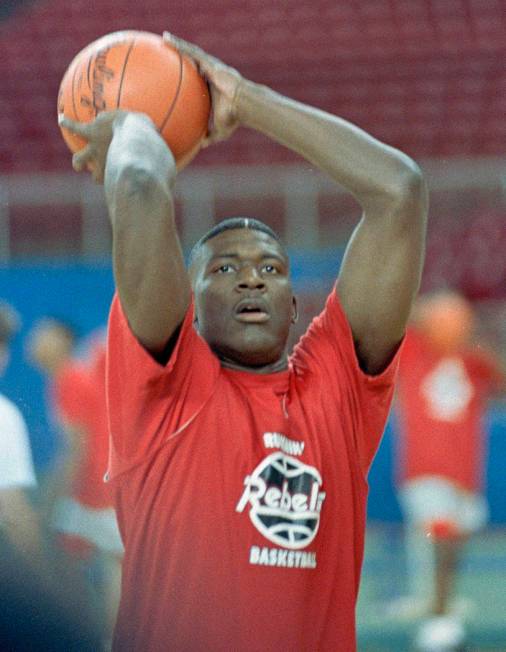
<point x="138" y="71"/>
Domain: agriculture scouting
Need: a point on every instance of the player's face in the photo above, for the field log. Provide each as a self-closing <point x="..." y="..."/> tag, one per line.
<point x="244" y="302"/>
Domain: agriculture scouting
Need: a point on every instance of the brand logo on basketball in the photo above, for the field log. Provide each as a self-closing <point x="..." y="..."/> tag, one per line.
<point x="101" y="74"/>
<point x="285" y="500"/>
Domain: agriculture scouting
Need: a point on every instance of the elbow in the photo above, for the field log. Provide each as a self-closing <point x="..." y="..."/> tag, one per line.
<point x="409" y="193"/>
<point x="138" y="181"/>
<point x="412" y="181"/>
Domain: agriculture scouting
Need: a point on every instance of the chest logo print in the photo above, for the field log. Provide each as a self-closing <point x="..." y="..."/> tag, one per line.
<point x="448" y="390"/>
<point x="285" y="500"/>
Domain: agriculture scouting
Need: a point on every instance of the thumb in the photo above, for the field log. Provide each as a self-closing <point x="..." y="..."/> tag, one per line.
<point x="78" y="128"/>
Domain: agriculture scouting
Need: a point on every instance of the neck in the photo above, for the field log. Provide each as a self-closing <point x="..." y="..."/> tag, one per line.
<point x="271" y="368"/>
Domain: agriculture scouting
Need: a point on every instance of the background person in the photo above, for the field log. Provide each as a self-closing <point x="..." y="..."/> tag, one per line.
<point x="19" y="522"/>
<point x="39" y="609"/>
<point x="82" y="515"/>
<point x="445" y="381"/>
<point x="50" y="346"/>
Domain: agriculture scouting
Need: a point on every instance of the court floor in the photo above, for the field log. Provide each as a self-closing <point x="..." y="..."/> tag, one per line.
<point x="481" y="591"/>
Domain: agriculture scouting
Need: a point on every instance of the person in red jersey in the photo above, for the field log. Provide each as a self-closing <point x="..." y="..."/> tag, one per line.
<point x="445" y="381"/>
<point x="83" y="514"/>
<point x="80" y="400"/>
<point x="240" y="471"/>
<point x="86" y="518"/>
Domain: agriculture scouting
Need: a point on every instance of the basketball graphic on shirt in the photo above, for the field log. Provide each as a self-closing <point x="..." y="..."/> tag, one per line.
<point x="448" y="390"/>
<point x="285" y="500"/>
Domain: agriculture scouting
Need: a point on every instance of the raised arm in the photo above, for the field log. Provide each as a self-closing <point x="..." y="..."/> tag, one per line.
<point x="382" y="265"/>
<point x="127" y="154"/>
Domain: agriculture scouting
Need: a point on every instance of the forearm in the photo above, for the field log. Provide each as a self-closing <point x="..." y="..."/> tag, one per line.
<point x="147" y="258"/>
<point x="136" y="151"/>
<point x="370" y="170"/>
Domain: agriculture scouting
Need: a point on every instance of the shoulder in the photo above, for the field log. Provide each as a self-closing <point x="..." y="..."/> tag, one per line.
<point x="327" y="349"/>
<point x="328" y="344"/>
<point x="12" y="422"/>
<point x="329" y="328"/>
<point x="9" y="411"/>
<point x="74" y="370"/>
<point x="482" y="364"/>
<point x="72" y="382"/>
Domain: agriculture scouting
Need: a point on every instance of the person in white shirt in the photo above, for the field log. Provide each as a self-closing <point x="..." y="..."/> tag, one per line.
<point x="19" y="524"/>
<point x="39" y="606"/>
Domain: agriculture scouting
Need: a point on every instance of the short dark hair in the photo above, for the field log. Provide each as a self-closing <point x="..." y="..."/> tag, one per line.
<point x="10" y="322"/>
<point x="229" y="224"/>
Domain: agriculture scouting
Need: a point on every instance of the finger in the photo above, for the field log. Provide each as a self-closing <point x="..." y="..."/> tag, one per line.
<point x="206" y="67"/>
<point x="191" y="50"/>
<point x="83" y="159"/>
<point x="78" y="128"/>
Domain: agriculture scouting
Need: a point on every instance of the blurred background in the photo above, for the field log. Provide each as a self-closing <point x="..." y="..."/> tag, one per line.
<point x="426" y="76"/>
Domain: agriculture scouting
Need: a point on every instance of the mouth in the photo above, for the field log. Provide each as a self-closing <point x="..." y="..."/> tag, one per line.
<point x="251" y="311"/>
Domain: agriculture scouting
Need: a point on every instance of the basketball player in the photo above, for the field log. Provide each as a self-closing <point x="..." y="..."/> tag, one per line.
<point x="240" y="472"/>
<point x="445" y="381"/>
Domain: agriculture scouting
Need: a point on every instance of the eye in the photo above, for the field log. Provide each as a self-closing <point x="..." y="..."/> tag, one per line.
<point x="226" y="268"/>
<point x="270" y="269"/>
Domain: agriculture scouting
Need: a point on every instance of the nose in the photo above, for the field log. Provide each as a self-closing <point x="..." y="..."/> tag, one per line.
<point x="250" y="279"/>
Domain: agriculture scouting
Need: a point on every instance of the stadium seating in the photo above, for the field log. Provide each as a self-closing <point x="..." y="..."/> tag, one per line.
<point x="425" y="75"/>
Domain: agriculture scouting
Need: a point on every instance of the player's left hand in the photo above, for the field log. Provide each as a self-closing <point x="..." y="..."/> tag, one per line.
<point x="98" y="135"/>
<point x="224" y="83"/>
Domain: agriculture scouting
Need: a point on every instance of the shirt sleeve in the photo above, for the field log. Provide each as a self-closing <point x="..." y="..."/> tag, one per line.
<point x="16" y="465"/>
<point x="327" y="349"/>
<point x="148" y="403"/>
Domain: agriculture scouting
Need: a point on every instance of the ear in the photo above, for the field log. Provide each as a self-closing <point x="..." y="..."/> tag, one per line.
<point x="295" y="311"/>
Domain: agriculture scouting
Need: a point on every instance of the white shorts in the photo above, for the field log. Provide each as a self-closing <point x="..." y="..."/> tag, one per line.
<point x="429" y="499"/>
<point x="98" y="526"/>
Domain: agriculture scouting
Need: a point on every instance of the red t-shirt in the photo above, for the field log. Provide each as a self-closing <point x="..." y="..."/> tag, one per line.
<point x="80" y="401"/>
<point x="242" y="497"/>
<point x="441" y="403"/>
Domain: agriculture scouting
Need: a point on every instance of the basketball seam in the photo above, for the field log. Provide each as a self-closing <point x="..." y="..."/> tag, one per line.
<point x="76" y="117"/>
<point x="88" y="72"/>
<point x="120" y="89"/>
<point x="173" y="103"/>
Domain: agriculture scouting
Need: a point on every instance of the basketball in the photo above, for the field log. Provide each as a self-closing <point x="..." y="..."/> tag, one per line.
<point x="137" y="71"/>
